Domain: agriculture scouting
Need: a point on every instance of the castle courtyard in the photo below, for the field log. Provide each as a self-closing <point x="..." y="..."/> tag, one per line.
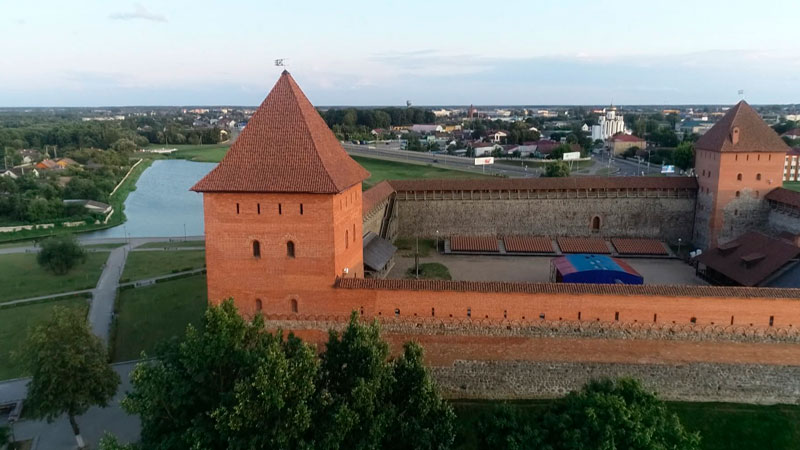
<point x="537" y="268"/>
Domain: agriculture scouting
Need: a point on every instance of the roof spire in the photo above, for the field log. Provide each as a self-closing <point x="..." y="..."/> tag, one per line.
<point x="285" y="147"/>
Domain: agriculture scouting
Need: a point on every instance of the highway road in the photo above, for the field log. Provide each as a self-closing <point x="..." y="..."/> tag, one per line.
<point x="393" y="152"/>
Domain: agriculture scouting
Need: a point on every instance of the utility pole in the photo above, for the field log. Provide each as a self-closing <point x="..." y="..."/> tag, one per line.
<point x="416" y="259"/>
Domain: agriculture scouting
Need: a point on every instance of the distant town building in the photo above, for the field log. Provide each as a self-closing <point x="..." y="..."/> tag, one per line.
<point x="790" y="171"/>
<point x="425" y="129"/>
<point x="610" y="124"/>
<point x="794" y="133"/>
<point x="622" y="142"/>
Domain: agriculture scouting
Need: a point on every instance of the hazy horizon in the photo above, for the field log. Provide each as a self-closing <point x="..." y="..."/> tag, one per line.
<point x="576" y="52"/>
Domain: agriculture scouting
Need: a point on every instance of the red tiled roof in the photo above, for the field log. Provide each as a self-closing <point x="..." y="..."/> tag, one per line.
<point x="528" y="244"/>
<point x="754" y="134"/>
<point x="638" y="246"/>
<point x="285" y="147"/>
<point x="622" y="137"/>
<point x="785" y="196"/>
<point x="582" y="245"/>
<point x="750" y="259"/>
<point x="474" y="244"/>
<point x="374" y="195"/>
<point x="560" y="183"/>
<point x="565" y="288"/>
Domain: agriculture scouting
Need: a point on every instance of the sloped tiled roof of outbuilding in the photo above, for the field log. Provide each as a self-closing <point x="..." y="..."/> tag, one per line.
<point x="285" y="147"/>
<point x="785" y="196"/>
<point x="754" y="134"/>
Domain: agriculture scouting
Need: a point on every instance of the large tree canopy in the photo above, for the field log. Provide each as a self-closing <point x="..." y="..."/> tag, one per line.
<point x="232" y="384"/>
<point x="605" y="414"/>
<point x="69" y="368"/>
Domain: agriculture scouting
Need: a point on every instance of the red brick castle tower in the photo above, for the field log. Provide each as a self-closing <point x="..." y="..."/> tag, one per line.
<point x="737" y="162"/>
<point x="282" y="209"/>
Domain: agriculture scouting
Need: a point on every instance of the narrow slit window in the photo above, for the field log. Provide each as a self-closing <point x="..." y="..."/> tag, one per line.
<point x="258" y="207"/>
<point x="237" y="208"/>
<point x="290" y="249"/>
<point x="301" y="209"/>
<point x="280" y="209"/>
<point x="256" y="249"/>
<point x="294" y="305"/>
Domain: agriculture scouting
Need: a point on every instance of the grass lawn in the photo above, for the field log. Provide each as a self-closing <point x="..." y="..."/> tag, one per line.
<point x="380" y="170"/>
<point x="792" y="185"/>
<point x="176" y="244"/>
<point x="721" y="425"/>
<point x="21" y="277"/>
<point x="142" y="265"/>
<point x="148" y="315"/>
<point x="14" y="324"/>
<point x="576" y="165"/>
<point x="200" y="153"/>
<point x="106" y="245"/>
<point x="430" y="271"/>
<point x="407" y="246"/>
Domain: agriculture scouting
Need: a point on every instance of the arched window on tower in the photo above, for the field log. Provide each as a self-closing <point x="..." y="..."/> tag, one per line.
<point x="739" y="177"/>
<point x="256" y="249"/>
<point x="758" y="177"/>
<point x="259" y="305"/>
<point x="294" y="305"/>
<point x="290" y="249"/>
<point x="346" y="239"/>
<point x="738" y="194"/>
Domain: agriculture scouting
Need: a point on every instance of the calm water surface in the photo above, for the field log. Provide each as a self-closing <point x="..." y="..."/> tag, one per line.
<point x="162" y="203"/>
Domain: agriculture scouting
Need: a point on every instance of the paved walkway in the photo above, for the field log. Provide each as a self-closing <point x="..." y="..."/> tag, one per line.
<point x="94" y="424"/>
<point x="101" y="310"/>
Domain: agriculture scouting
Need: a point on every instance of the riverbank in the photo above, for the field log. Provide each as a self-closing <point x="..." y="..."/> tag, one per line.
<point x="117" y="217"/>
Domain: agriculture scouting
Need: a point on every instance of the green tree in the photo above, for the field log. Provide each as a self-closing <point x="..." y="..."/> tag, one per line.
<point x="60" y="254"/>
<point x="423" y="420"/>
<point x="230" y="384"/>
<point x="604" y="414"/>
<point x="557" y="169"/>
<point x="683" y="156"/>
<point x="69" y="368"/>
<point x="354" y="389"/>
<point x="109" y="442"/>
<point x="126" y="145"/>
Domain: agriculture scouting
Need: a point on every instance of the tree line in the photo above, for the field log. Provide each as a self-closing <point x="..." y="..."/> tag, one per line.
<point x="231" y="383"/>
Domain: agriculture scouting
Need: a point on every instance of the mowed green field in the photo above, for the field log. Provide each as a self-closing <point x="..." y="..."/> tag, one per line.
<point x="142" y="265"/>
<point x="149" y="315"/>
<point x="792" y="185"/>
<point x="14" y="324"/>
<point x="21" y="277"/>
<point x="199" y="153"/>
<point x="723" y="426"/>
<point x="380" y="170"/>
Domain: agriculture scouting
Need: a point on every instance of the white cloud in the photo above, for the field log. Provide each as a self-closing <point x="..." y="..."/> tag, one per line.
<point x="139" y="13"/>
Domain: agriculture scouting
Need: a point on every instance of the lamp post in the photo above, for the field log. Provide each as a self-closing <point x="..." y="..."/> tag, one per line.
<point x="679" y="248"/>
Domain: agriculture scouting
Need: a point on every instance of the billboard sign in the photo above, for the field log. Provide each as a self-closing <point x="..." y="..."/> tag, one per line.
<point x="484" y="161"/>
<point x="570" y="156"/>
<point x="667" y="169"/>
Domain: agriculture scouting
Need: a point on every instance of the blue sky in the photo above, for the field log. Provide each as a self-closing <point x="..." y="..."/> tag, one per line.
<point x="182" y="52"/>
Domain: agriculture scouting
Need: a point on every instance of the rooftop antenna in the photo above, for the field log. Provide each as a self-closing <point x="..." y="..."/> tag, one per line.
<point x="283" y="62"/>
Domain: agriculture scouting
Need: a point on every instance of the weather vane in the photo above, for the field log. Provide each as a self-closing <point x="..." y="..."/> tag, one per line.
<point x="280" y="62"/>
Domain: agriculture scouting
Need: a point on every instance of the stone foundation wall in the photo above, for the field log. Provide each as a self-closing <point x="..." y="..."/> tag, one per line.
<point x="742" y="383"/>
<point x="662" y="218"/>
<point x="780" y="221"/>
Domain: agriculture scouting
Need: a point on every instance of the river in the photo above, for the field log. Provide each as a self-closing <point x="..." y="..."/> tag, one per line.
<point x="162" y="204"/>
